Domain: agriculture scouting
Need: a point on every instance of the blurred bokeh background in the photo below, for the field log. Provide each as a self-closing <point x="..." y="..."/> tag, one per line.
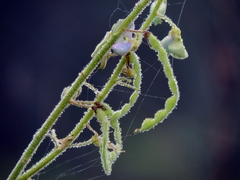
<point x="45" y="44"/>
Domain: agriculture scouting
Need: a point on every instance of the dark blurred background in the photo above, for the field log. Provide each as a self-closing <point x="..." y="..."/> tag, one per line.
<point x="45" y="44"/>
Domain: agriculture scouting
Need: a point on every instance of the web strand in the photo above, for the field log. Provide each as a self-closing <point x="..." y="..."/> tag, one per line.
<point x="140" y="105"/>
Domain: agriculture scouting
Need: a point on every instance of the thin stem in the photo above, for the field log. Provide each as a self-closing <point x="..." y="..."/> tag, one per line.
<point x="62" y="105"/>
<point x="78" y="128"/>
<point x="148" y="22"/>
<point x="58" y="110"/>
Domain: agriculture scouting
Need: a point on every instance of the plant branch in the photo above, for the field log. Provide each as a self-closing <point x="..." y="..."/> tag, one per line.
<point x="62" y="105"/>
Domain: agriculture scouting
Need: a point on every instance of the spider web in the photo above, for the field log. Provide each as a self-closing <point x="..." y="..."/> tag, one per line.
<point x="84" y="163"/>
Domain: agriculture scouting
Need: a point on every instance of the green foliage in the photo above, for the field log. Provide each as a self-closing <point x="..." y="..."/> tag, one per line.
<point x="117" y="42"/>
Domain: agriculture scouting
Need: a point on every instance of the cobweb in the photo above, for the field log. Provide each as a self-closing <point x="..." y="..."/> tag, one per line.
<point x="143" y="157"/>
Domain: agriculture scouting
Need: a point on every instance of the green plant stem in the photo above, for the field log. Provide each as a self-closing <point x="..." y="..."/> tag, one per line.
<point x="58" y="110"/>
<point x="78" y="128"/>
<point x="148" y="22"/>
<point x="56" y="151"/>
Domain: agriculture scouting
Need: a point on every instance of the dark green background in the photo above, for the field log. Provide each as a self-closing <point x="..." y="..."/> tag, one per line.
<point x="45" y="44"/>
